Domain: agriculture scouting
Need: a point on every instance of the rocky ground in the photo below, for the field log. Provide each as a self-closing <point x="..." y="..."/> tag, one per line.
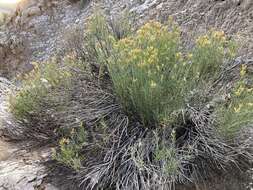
<point x="38" y="31"/>
<point x="19" y="169"/>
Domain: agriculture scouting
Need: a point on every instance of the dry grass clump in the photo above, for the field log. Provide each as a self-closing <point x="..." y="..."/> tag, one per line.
<point x="155" y="124"/>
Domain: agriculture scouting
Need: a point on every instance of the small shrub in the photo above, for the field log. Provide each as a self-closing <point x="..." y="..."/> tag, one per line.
<point x="37" y="85"/>
<point x="237" y="113"/>
<point x="168" y="156"/>
<point x="211" y="53"/>
<point x="122" y="25"/>
<point x="43" y="94"/>
<point x="99" y="39"/>
<point x="70" y="147"/>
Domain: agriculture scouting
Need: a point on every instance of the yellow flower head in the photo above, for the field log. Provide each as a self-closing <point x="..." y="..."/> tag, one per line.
<point x="243" y="70"/>
<point x="150" y="29"/>
<point x="124" y="43"/>
<point x="64" y="141"/>
<point x="238" y="109"/>
<point x="179" y="56"/>
<point x="203" y="41"/>
<point x="249" y="89"/>
<point x="135" y="53"/>
<point x="189" y="56"/>
<point x="219" y="35"/>
<point x="250" y="104"/>
<point x="153" y="84"/>
<point x="153" y="55"/>
<point x="134" y="80"/>
<point x="239" y="91"/>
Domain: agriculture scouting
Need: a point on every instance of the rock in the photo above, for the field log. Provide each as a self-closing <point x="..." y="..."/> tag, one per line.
<point x="19" y="169"/>
<point x="147" y="5"/>
<point x="18" y="176"/>
<point x="246" y="4"/>
<point x="32" y="11"/>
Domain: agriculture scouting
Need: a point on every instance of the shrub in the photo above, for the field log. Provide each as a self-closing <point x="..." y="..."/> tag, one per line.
<point x="98" y="40"/>
<point x="211" y="53"/>
<point x="237" y="113"/>
<point x="122" y="25"/>
<point x="37" y="85"/>
<point x="168" y="154"/>
<point x="153" y="75"/>
<point x="69" y="151"/>
<point x="43" y="93"/>
<point x="94" y="46"/>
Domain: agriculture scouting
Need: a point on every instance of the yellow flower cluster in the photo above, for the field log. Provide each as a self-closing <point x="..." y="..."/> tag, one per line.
<point x="239" y="91"/>
<point x="126" y="42"/>
<point x="152" y="84"/>
<point x="189" y="56"/>
<point x="135" y="53"/>
<point x="241" y="106"/>
<point x="214" y="36"/>
<point x="238" y="109"/>
<point x="152" y="54"/>
<point x="179" y="56"/>
<point x="35" y="65"/>
<point x="243" y="70"/>
<point x="64" y="141"/>
<point x="151" y="27"/>
<point x="219" y="35"/>
<point x="203" y="41"/>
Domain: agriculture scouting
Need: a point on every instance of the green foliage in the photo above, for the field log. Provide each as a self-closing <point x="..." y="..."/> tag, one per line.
<point x="98" y="39"/>
<point x="101" y="34"/>
<point x="169" y="159"/>
<point x="167" y="156"/>
<point x="210" y="53"/>
<point x="70" y="147"/>
<point x="237" y="113"/>
<point x="153" y="77"/>
<point x="122" y="25"/>
<point x="37" y="85"/>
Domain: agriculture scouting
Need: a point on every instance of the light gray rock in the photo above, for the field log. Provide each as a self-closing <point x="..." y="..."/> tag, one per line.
<point x="19" y="169"/>
<point x="32" y="11"/>
<point x="246" y="4"/>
